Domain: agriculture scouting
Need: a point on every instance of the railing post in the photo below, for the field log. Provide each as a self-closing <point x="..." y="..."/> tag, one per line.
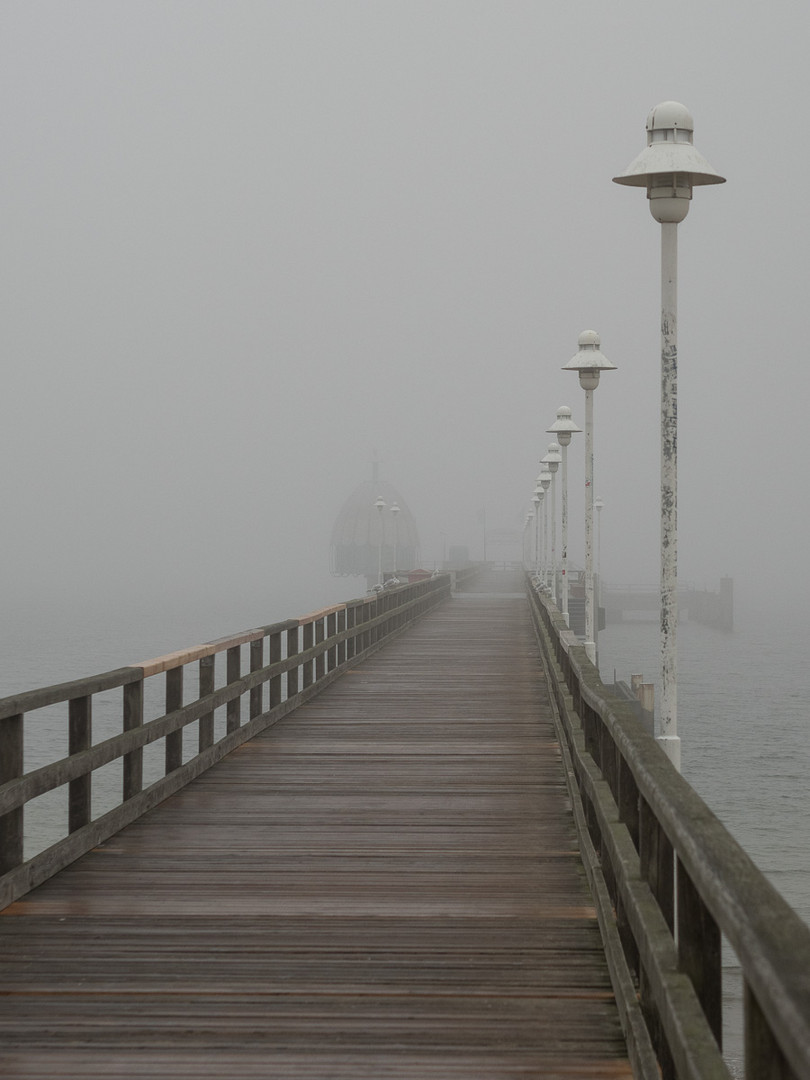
<point x="369" y="611"/>
<point x="627" y="800"/>
<point x="763" y="1058"/>
<point x="79" y="738"/>
<point x="655" y="1028"/>
<point x="320" y="660"/>
<point x="256" y="659"/>
<point x="133" y="718"/>
<point x="206" y="728"/>
<point x="233" y="710"/>
<point x="331" y="630"/>
<point x="341" y="626"/>
<point x="350" y="645"/>
<point x="174" y="701"/>
<point x="274" y="658"/>
<point x="292" y="674"/>
<point x="306" y="667"/>
<point x="657" y="863"/>
<point x="699" y="951"/>
<point x="11" y="767"/>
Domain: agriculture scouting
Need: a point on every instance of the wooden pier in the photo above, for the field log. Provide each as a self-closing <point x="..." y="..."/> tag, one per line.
<point x="412" y="835"/>
<point x="386" y="883"/>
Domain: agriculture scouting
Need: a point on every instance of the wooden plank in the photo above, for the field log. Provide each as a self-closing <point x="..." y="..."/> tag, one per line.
<point x="387" y="883"/>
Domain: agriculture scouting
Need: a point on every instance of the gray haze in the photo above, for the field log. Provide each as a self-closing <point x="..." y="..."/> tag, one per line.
<point x="246" y="244"/>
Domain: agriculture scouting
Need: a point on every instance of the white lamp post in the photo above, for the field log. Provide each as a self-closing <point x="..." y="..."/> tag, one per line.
<point x="669" y="168"/>
<point x="527" y="539"/>
<point x="564" y="427"/>
<point x="598" y="506"/>
<point x="380" y="504"/>
<point x="394" y="512"/>
<point x="537" y="498"/>
<point x="589" y="362"/>
<point x="552" y="462"/>
<point x="543" y="483"/>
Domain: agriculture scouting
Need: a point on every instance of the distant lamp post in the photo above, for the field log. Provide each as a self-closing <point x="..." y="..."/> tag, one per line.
<point x="669" y="168"/>
<point x="394" y="512"/>
<point x="543" y="482"/>
<point x="563" y="428"/>
<point x="380" y="504"/>
<point x="527" y="539"/>
<point x="552" y="462"/>
<point x="537" y="499"/>
<point x="589" y="362"/>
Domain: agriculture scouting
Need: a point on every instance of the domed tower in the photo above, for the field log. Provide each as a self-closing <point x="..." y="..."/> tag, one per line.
<point x="360" y="526"/>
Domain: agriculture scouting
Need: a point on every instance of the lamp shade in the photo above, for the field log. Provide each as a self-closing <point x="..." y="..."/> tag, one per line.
<point x="589" y="357"/>
<point x="670" y="130"/>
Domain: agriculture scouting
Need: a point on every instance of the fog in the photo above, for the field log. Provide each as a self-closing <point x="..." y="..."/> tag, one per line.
<point x="248" y="245"/>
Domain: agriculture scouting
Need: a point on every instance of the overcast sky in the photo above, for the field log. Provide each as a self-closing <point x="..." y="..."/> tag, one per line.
<point x="248" y="244"/>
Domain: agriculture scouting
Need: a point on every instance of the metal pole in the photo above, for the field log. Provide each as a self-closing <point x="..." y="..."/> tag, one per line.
<point x="394" y="514"/>
<point x="598" y="577"/>
<point x="590" y="641"/>
<point x="554" y="537"/>
<point x="380" y="507"/>
<point x="537" y="538"/>
<point x="545" y="543"/>
<point x="668" y="724"/>
<point x="565" y="535"/>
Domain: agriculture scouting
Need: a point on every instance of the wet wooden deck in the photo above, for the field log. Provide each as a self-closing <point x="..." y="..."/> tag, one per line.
<point x="385" y="885"/>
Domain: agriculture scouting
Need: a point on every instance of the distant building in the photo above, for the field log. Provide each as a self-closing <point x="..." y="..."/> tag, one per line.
<point x="360" y="526"/>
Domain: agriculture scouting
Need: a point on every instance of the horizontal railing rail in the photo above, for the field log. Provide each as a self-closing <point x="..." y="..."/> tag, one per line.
<point x="288" y="662"/>
<point x="676" y="882"/>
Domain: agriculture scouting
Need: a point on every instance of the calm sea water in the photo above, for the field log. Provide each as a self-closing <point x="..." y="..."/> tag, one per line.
<point x="743" y="711"/>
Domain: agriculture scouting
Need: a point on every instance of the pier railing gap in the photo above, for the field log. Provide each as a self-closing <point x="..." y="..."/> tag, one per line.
<point x="288" y="662"/>
<point x="669" y="880"/>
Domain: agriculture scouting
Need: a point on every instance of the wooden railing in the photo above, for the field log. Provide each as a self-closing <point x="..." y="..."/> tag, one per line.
<point x="288" y="662"/>
<point x="670" y="881"/>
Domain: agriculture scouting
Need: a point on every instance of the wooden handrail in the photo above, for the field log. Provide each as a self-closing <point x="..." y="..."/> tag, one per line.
<point x="665" y="858"/>
<point x="311" y="651"/>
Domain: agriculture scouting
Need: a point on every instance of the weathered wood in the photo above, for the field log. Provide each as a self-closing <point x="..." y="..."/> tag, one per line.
<point x="79" y="738"/>
<point x="657" y="861"/>
<point x="207" y="673"/>
<point x="273" y="659"/>
<point x="292" y="671"/>
<point x="11" y="765"/>
<point x="31" y="700"/>
<point x="772" y="943"/>
<point x="387" y="883"/>
<point x="763" y="1058"/>
<point x="256" y="664"/>
<point x="174" y="702"/>
<point x="331" y="630"/>
<point x="307" y="640"/>
<point x="320" y="659"/>
<point x="350" y="642"/>
<point x="133" y="719"/>
<point x="233" y="672"/>
<point x="699" y="951"/>
<point x="20" y="788"/>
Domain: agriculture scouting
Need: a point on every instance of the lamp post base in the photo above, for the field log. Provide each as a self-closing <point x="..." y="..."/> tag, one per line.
<point x="671" y="745"/>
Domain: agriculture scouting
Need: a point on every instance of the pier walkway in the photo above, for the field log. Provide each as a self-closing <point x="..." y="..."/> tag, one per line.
<point x="386" y="883"/>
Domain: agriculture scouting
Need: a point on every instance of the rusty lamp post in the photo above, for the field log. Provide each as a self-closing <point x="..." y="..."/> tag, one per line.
<point x="669" y="168"/>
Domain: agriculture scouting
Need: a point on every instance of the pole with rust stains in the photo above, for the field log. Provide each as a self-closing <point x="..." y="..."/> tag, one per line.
<point x="669" y="168"/>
